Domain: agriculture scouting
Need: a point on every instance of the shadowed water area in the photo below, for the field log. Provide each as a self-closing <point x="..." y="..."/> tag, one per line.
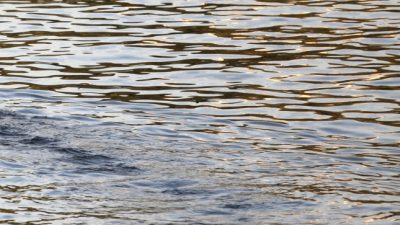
<point x="199" y="112"/>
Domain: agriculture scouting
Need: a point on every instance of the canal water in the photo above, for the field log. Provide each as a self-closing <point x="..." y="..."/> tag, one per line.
<point x="199" y="112"/>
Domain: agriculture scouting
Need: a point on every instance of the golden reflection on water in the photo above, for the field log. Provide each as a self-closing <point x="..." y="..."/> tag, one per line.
<point x="183" y="112"/>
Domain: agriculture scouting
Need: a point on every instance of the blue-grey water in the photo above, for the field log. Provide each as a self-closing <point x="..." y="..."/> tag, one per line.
<point x="199" y="112"/>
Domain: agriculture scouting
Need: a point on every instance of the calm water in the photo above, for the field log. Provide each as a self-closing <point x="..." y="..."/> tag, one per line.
<point x="199" y="112"/>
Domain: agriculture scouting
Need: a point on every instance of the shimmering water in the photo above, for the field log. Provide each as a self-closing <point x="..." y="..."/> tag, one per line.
<point x="199" y="112"/>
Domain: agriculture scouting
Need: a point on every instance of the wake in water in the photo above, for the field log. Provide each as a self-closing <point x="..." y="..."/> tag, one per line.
<point x="50" y="167"/>
<point x="45" y="141"/>
<point x="64" y="171"/>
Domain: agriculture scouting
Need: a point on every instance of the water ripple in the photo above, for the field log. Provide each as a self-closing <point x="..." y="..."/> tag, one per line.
<point x="185" y="112"/>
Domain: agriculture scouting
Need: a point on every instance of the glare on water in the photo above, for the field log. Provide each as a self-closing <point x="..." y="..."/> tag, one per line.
<point x="199" y="112"/>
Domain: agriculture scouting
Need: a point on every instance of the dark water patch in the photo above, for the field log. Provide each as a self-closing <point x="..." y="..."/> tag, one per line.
<point x="7" y="131"/>
<point x="88" y="162"/>
<point x="115" y="168"/>
<point x="81" y="156"/>
<point x="38" y="141"/>
<point x="237" y="206"/>
<point x="188" y="192"/>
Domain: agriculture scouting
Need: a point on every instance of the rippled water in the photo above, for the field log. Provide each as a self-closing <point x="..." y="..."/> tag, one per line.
<point x="199" y="112"/>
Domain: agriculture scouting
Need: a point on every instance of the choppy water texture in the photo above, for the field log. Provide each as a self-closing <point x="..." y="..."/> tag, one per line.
<point x="199" y="112"/>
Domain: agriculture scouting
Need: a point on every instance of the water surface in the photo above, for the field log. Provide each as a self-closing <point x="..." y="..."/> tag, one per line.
<point x="199" y="112"/>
